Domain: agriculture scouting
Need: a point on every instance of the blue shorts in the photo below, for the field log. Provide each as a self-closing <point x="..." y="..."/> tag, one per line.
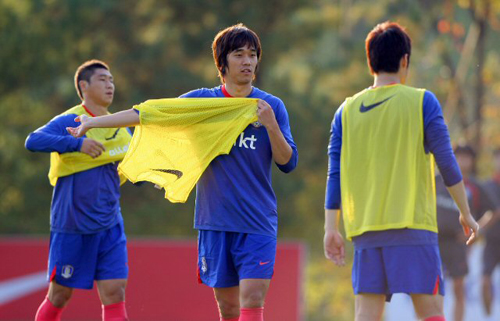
<point x="76" y="260"/>
<point x="225" y="258"/>
<point x="411" y="269"/>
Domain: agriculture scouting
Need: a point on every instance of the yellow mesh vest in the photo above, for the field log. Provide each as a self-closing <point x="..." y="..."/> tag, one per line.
<point x="387" y="179"/>
<point x="115" y="141"/>
<point x="179" y="137"/>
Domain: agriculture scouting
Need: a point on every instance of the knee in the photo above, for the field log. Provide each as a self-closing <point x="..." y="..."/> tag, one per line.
<point x="253" y="299"/>
<point x="113" y="294"/>
<point x="60" y="298"/>
<point x="228" y="309"/>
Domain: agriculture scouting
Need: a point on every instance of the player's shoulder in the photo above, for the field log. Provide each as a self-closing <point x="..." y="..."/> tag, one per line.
<point x="68" y="116"/>
<point x="203" y="92"/>
<point x="269" y="98"/>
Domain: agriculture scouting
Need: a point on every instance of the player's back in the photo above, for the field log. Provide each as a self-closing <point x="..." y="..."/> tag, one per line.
<point x="387" y="179"/>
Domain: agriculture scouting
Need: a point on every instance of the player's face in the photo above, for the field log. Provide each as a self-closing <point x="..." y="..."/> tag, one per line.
<point x="241" y="65"/>
<point x="465" y="162"/>
<point x="101" y="88"/>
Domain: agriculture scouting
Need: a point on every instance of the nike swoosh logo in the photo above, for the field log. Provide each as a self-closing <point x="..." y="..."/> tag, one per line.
<point x="364" y="108"/>
<point x="16" y="288"/>
<point x="170" y="171"/>
<point x="264" y="263"/>
<point x="114" y="135"/>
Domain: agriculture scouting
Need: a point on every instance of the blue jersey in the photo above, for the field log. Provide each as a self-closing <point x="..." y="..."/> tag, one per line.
<point x="235" y="194"/>
<point x="85" y="202"/>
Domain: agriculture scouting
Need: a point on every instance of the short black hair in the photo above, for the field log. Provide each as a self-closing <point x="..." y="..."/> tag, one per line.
<point x="465" y="150"/>
<point x="385" y="45"/>
<point x="85" y="72"/>
<point x="230" y="39"/>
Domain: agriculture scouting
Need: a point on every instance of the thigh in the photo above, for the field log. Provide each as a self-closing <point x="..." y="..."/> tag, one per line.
<point x="112" y="261"/>
<point x="72" y="259"/>
<point x="215" y="264"/>
<point x="368" y="272"/>
<point x="427" y="306"/>
<point x="253" y="255"/>
<point x="369" y="307"/>
<point x="413" y="269"/>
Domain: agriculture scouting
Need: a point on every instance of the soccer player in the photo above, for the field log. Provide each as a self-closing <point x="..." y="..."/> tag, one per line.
<point x="381" y="171"/>
<point x="87" y="239"/>
<point x="236" y="212"/>
<point x="491" y="253"/>
<point x="451" y="239"/>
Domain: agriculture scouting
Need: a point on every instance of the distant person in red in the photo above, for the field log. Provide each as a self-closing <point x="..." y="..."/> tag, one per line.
<point x="491" y="254"/>
<point x="451" y="237"/>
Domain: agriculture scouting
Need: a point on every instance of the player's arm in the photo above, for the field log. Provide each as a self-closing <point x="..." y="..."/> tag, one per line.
<point x="437" y="140"/>
<point x="126" y="118"/>
<point x="333" y="241"/>
<point x="278" y="128"/>
<point x="53" y="137"/>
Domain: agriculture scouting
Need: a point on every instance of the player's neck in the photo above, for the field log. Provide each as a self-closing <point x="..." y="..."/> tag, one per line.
<point x="238" y="90"/>
<point x="96" y="109"/>
<point x="384" y="79"/>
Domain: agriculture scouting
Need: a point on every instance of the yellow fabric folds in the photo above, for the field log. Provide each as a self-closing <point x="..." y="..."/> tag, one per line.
<point x="115" y="141"/>
<point x="179" y="137"/>
<point x="387" y="178"/>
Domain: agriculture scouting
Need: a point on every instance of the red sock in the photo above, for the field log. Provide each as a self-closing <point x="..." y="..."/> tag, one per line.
<point x="48" y="312"/>
<point x="233" y="319"/>
<point x="436" y="318"/>
<point x="252" y="314"/>
<point x="114" y="312"/>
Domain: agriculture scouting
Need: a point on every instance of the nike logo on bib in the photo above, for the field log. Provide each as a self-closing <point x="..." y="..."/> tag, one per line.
<point x="364" y="109"/>
<point x="170" y="171"/>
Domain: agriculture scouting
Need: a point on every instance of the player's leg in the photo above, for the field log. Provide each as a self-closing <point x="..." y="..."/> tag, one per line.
<point x="459" y="293"/>
<point x="369" y="282"/>
<point x="253" y="256"/>
<point x="428" y="307"/>
<point x="228" y="303"/>
<point x="216" y="269"/>
<point x="491" y="257"/>
<point x="487" y="289"/>
<point x="52" y="307"/>
<point x="369" y="306"/>
<point x="112" y="273"/>
<point x="416" y="269"/>
<point x="67" y="270"/>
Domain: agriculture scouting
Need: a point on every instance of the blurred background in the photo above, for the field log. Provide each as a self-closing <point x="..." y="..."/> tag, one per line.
<point x="313" y="57"/>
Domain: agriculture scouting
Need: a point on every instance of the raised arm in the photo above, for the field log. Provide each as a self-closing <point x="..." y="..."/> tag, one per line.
<point x="126" y="118"/>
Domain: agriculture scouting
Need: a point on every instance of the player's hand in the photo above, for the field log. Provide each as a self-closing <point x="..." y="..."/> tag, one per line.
<point x="470" y="226"/>
<point x="334" y="247"/>
<point x="265" y="114"/>
<point x="82" y="129"/>
<point x="92" y="148"/>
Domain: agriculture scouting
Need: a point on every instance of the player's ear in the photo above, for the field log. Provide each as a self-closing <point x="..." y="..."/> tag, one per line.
<point x="405" y="61"/>
<point x="83" y="85"/>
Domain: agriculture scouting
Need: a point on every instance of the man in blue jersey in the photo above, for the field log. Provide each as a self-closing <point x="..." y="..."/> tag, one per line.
<point x="87" y="239"/>
<point x="381" y="171"/>
<point x="236" y="210"/>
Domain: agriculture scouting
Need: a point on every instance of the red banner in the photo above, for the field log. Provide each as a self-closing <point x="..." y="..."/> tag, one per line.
<point x="162" y="283"/>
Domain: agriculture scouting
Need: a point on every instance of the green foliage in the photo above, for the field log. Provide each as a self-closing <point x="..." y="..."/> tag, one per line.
<point x="313" y="57"/>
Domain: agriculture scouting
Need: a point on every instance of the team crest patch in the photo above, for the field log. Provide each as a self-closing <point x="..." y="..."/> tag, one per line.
<point x="204" y="267"/>
<point x="67" y="271"/>
<point x="256" y="124"/>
